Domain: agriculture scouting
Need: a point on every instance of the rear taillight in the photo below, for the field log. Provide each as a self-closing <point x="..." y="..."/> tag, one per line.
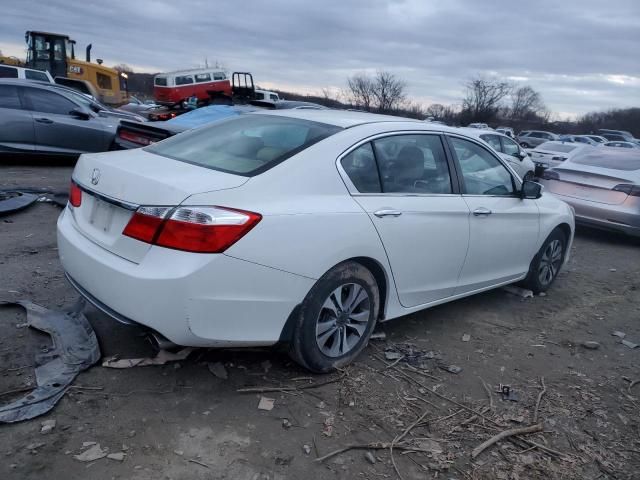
<point x="192" y="229"/>
<point x="628" y="188"/>
<point x="135" y="138"/>
<point x="550" y="175"/>
<point x="75" y="195"/>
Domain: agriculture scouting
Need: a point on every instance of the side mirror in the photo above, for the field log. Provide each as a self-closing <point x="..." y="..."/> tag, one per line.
<point x="530" y="190"/>
<point x="80" y="114"/>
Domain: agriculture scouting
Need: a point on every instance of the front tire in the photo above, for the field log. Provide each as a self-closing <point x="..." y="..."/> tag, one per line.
<point x="336" y="318"/>
<point x="525" y="145"/>
<point x="546" y="264"/>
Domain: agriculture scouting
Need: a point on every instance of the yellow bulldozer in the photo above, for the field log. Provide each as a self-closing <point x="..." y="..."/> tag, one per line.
<point x="56" y="53"/>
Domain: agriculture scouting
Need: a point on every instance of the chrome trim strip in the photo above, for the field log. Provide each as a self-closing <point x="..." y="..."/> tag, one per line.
<point x="126" y="205"/>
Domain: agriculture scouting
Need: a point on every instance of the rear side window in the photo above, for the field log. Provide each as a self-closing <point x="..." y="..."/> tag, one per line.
<point x="36" y="75"/>
<point x="245" y="145"/>
<point x="160" y="81"/>
<point x="9" y="97"/>
<point x="360" y="166"/>
<point x="203" y="77"/>
<point x="184" y="80"/>
<point x="219" y="76"/>
<point x="48" y="102"/>
<point x="8" y="72"/>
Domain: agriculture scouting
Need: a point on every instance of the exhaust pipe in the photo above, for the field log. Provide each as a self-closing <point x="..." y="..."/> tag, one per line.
<point x="160" y="342"/>
<point x="89" y="53"/>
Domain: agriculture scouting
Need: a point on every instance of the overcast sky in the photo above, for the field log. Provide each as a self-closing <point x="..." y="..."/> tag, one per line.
<point x="582" y="55"/>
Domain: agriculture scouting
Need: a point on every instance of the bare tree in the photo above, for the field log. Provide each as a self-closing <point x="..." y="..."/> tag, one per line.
<point x="436" y="110"/>
<point x="384" y="92"/>
<point x="525" y="102"/>
<point x="484" y="97"/>
<point x="360" y="88"/>
<point x="389" y="91"/>
<point x="123" y="67"/>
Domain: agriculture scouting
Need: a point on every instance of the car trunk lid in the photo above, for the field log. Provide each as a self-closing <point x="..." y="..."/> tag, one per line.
<point x="592" y="186"/>
<point x="115" y="184"/>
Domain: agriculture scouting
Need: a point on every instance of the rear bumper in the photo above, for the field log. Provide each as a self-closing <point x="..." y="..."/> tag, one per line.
<point x="624" y="217"/>
<point x="191" y="299"/>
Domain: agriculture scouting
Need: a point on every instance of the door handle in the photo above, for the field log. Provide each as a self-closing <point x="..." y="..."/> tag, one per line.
<point x="44" y="120"/>
<point x="482" y="212"/>
<point x="387" y="212"/>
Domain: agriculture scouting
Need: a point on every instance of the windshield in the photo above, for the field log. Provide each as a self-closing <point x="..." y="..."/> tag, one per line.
<point x="614" y="158"/>
<point x="245" y="145"/>
<point x="85" y="101"/>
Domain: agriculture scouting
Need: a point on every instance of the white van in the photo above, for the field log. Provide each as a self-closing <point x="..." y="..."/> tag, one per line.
<point x="11" y="71"/>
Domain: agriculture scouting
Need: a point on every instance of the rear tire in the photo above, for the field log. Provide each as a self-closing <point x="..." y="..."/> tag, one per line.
<point x="336" y="318"/>
<point x="547" y="263"/>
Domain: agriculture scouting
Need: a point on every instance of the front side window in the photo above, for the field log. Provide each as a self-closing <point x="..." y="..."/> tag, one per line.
<point x="483" y="174"/>
<point x="160" y="81"/>
<point x="492" y="140"/>
<point x="104" y="81"/>
<point x="413" y="164"/>
<point x="48" y="102"/>
<point x="8" y="72"/>
<point x="510" y="147"/>
<point x="360" y="166"/>
<point x="535" y="135"/>
<point x="9" y="97"/>
<point x="245" y="145"/>
<point x="36" y="75"/>
<point x="184" y="80"/>
<point x="203" y="77"/>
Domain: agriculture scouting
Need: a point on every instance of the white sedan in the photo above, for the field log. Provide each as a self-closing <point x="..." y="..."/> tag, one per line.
<point x="304" y="227"/>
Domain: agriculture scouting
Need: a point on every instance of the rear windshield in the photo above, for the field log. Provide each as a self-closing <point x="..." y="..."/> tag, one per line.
<point x="557" y="147"/>
<point x="615" y="159"/>
<point x="245" y="145"/>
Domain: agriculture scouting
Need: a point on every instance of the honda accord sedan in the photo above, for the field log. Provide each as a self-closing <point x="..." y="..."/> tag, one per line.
<point x="303" y="228"/>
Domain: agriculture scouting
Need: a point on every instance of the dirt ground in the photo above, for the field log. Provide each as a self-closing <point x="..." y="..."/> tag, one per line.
<point x="180" y="421"/>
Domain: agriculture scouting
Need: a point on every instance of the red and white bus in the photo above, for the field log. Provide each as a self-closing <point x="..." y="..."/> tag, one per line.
<point x="175" y="87"/>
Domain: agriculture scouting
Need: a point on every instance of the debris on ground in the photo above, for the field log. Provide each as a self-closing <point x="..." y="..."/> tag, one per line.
<point x="117" y="456"/>
<point x="630" y="344"/>
<point x="12" y="201"/>
<point x="520" y="292"/>
<point x="466" y="337"/>
<point x="591" y="345"/>
<point x="618" y="334"/>
<point x="218" y="370"/>
<point x="378" y="336"/>
<point x="327" y="426"/>
<point x="455" y="369"/>
<point x="163" y="357"/>
<point x="74" y="349"/>
<point x="508" y="393"/>
<point x="266" y="403"/>
<point x="47" y="426"/>
<point x="409" y="354"/>
<point x="306" y="449"/>
<point x="286" y="424"/>
<point x="370" y="458"/>
<point x="93" y="453"/>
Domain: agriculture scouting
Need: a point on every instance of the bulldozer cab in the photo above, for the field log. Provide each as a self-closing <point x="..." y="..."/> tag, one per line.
<point x="49" y="51"/>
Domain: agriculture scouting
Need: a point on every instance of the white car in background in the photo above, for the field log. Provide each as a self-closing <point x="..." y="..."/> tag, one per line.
<point x="552" y="154"/>
<point x="508" y="149"/>
<point x="305" y="227"/>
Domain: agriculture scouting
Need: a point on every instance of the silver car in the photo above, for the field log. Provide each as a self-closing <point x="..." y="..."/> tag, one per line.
<point x="602" y="185"/>
<point x="533" y="138"/>
<point x="42" y="118"/>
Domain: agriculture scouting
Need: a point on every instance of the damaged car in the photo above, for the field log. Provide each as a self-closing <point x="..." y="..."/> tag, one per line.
<point x="303" y="227"/>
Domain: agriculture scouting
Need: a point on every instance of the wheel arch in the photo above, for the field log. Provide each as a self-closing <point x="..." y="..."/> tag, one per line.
<point x="379" y="274"/>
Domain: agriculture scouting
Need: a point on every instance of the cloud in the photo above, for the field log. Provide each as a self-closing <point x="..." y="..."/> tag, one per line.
<point x="580" y="54"/>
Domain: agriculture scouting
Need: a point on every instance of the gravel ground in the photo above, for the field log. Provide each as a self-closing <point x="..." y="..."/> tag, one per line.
<point x="180" y="421"/>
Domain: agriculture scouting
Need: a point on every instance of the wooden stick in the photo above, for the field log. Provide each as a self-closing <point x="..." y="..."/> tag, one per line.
<point x="504" y="434"/>
<point x="288" y="388"/>
<point x="370" y="446"/>
<point x="486" y="389"/>
<point x="540" y="395"/>
<point x="17" y="390"/>
<point x="193" y="460"/>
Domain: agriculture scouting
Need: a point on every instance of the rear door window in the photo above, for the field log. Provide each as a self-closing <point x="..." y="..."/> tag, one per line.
<point x="48" y="102"/>
<point x="203" y="77"/>
<point x="9" y="97"/>
<point x="245" y="145"/>
<point x="413" y="164"/>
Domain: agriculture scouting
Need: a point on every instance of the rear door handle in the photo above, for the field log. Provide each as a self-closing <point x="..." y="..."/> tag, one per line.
<point x="482" y="212"/>
<point x="387" y="212"/>
<point x="44" y="120"/>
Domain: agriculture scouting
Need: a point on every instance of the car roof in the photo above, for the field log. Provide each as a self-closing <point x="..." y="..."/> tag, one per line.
<point x="348" y="118"/>
<point x="26" y="82"/>
<point x="477" y="132"/>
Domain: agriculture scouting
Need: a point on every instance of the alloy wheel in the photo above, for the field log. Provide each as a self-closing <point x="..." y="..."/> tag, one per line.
<point x="343" y="319"/>
<point x="550" y="262"/>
